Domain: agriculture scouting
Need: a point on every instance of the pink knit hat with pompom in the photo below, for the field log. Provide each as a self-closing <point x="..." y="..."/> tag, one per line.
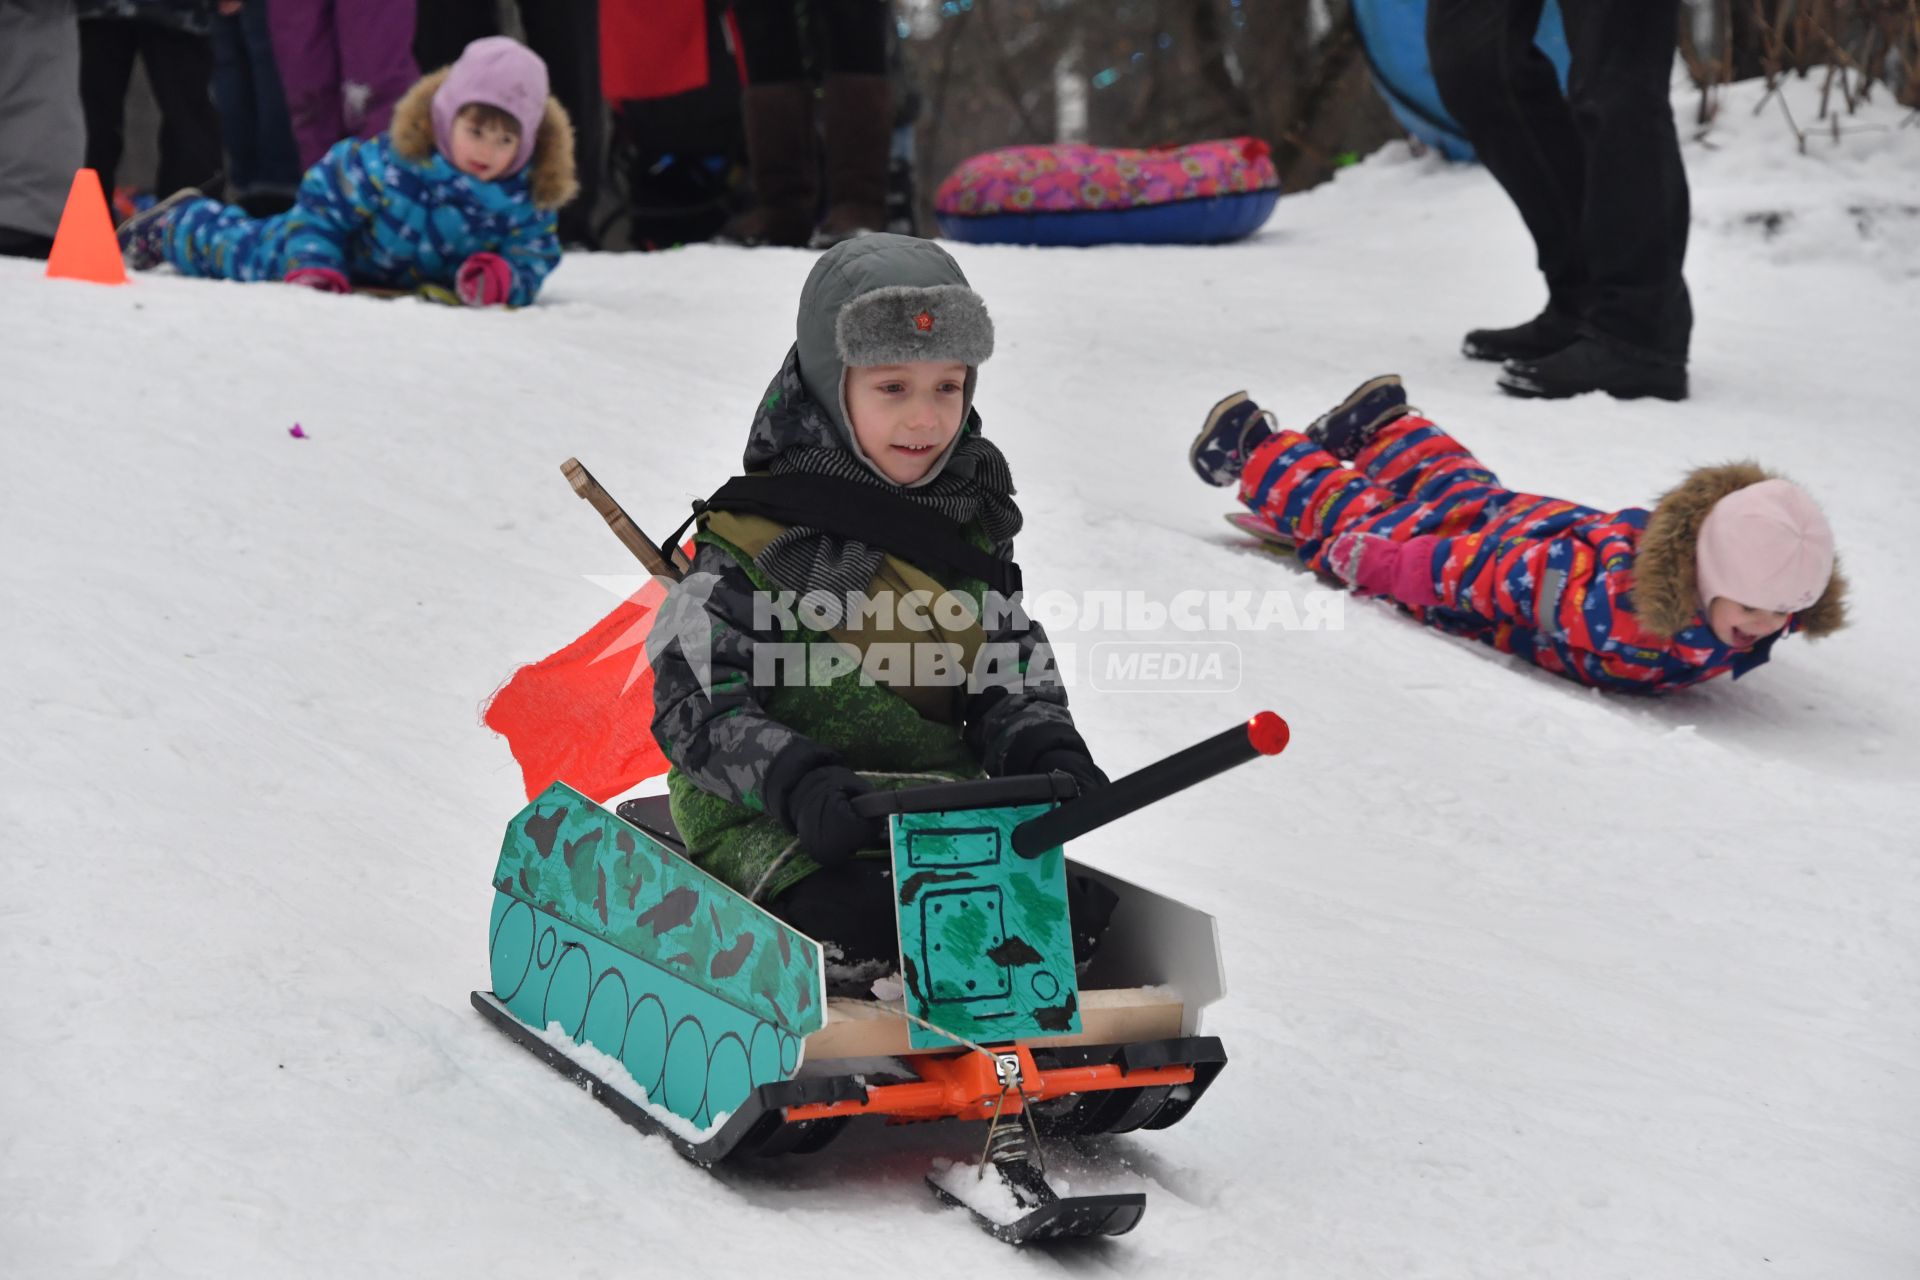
<point x="503" y="73"/>
<point x="1765" y="546"/>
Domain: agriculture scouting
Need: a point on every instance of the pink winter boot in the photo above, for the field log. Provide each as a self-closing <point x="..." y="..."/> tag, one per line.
<point x="1375" y="565"/>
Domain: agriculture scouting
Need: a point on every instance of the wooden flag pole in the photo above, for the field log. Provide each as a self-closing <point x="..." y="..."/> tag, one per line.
<point x="667" y="563"/>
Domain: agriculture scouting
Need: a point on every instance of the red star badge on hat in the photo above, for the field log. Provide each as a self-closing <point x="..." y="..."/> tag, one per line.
<point x="924" y="322"/>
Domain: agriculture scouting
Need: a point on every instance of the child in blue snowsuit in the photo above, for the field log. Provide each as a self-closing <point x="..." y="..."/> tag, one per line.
<point x="460" y="195"/>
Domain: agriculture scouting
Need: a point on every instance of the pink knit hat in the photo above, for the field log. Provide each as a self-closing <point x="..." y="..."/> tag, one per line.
<point x="1765" y="546"/>
<point x="500" y="72"/>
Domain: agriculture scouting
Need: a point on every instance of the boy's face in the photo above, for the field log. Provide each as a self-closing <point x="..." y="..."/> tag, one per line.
<point x="483" y="150"/>
<point x="1739" y="626"/>
<point x="905" y="415"/>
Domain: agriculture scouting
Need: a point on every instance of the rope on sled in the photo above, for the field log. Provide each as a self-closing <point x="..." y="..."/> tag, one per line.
<point x="1002" y="1146"/>
<point x="1006" y="1149"/>
<point x="901" y="1012"/>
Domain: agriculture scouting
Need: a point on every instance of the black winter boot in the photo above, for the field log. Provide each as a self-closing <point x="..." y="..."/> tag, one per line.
<point x="780" y="161"/>
<point x="1592" y="365"/>
<point x="859" y="131"/>
<point x="1546" y="333"/>
<point x="1351" y="425"/>
<point x="1234" y="428"/>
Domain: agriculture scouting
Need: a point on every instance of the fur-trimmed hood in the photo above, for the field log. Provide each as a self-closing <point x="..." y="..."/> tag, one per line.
<point x="550" y="173"/>
<point x="1666" y="590"/>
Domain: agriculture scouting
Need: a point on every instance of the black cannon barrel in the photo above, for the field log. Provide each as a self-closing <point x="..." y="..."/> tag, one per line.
<point x="1264" y="735"/>
<point x="974" y="793"/>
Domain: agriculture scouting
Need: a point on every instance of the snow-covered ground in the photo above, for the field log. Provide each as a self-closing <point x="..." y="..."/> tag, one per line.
<point x="1524" y="980"/>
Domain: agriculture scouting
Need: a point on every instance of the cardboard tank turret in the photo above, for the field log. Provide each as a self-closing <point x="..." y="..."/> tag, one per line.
<point x="692" y="1012"/>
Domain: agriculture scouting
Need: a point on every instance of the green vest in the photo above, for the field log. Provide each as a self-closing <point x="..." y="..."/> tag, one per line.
<point x="893" y="727"/>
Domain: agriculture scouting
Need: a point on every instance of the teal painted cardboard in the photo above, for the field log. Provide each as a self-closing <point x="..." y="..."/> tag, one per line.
<point x="986" y="945"/>
<point x="694" y="1054"/>
<point x="567" y="858"/>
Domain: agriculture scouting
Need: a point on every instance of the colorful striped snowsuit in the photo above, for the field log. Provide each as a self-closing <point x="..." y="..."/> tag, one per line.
<point x="378" y="219"/>
<point x="1546" y="580"/>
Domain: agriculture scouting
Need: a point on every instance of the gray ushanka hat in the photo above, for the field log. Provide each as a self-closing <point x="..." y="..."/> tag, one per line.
<point x="886" y="299"/>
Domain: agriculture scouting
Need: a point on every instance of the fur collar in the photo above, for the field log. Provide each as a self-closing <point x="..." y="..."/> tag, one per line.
<point x="550" y="174"/>
<point x="1665" y="592"/>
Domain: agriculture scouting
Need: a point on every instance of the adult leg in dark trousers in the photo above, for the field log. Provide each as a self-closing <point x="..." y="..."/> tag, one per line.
<point x="1597" y="177"/>
<point x="442" y="28"/>
<point x="263" y="164"/>
<point x="108" y="47"/>
<point x="180" y="69"/>
<point x="566" y="34"/>
<point x="857" y="103"/>
<point x="778" y="106"/>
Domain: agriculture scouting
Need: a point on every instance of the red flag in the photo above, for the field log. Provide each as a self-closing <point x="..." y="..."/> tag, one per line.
<point x="584" y="715"/>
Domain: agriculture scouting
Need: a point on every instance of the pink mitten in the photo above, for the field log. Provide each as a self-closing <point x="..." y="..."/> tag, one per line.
<point x="325" y="279"/>
<point x="484" y="280"/>
<point x="1375" y="565"/>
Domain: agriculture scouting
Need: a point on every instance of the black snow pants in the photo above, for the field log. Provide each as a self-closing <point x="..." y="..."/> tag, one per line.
<point x="180" y="70"/>
<point x="1596" y="173"/>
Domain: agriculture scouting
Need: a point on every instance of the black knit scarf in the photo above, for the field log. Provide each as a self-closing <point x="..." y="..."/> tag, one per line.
<point x="975" y="484"/>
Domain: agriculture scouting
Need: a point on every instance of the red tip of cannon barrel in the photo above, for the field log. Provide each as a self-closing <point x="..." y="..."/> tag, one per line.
<point x="1268" y="733"/>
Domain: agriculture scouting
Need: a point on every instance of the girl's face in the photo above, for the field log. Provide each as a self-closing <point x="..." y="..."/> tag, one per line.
<point x="1739" y="626"/>
<point x="905" y="415"/>
<point x="483" y="150"/>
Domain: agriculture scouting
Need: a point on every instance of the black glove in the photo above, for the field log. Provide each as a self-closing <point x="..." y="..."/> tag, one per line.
<point x="1076" y="764"/>
<point x="820" y="811"/>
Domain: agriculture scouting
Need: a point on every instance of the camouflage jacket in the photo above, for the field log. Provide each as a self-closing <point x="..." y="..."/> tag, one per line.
<point x="739" y="746"/>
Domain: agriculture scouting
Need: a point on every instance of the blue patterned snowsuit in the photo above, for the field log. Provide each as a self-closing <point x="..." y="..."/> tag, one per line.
<point x="380" y="220"/>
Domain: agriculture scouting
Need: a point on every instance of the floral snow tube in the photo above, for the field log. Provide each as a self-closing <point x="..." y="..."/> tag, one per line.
<point x="1074" y="194"/>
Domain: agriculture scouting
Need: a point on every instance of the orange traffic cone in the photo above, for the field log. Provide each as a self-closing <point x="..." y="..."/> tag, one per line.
<point x="85" y="248"/>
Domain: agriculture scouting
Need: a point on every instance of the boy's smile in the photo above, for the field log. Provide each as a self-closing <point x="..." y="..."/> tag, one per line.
<point x="905" y="415"/>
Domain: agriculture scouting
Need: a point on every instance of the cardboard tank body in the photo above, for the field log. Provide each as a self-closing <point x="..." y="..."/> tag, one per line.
<point x="693" y="1012"/>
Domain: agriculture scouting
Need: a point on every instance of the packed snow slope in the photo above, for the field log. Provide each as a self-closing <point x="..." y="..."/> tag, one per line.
<point x="1524" y="980"/>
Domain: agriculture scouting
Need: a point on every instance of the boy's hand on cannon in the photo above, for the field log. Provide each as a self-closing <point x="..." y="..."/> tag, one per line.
<point x="1076" y="764"/>
<point x="484" y="280"/>
<point x="820" y="811"/>
<point x="1052" y="747"/>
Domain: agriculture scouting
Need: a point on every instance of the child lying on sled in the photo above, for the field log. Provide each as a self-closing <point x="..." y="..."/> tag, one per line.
<point x="1725" y="564"/>
<point x="873" y="405"/>
<point x="458" y="198"/>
